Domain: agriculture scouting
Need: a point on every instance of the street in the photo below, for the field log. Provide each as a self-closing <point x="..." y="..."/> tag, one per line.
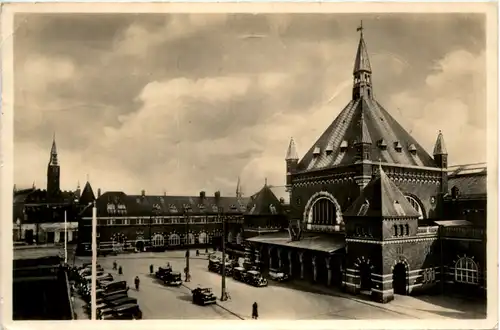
<point x="277" y="301"/>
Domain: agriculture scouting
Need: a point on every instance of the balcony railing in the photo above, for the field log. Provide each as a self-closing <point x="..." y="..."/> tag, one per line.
<point x="463" y="232"/>
<point x="428" y="230"/>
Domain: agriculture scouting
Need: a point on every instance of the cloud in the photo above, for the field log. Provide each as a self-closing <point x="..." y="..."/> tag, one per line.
<point x="452" y="99"/>
<point x="185" y="103"/>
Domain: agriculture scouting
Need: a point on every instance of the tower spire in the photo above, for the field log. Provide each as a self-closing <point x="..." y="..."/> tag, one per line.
<point x="53" y="152"/>
<point x="439" y="147"/>
<point x="238" y="189"/>
<point x="291" y="153"/>
<point x="362" y="69"/>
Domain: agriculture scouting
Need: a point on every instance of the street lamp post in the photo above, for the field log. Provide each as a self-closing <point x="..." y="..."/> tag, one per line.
<point x="186" y="216"/>
<point x="223" y="296"/>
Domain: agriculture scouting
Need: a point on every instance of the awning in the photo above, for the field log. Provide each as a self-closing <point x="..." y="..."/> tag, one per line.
<point x="323" y="243"/>
<point x="448" y="223"/>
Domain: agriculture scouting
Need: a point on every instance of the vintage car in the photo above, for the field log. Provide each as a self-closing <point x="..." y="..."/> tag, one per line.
<point x="122" y="312"/>
<point x="255" y="278"/>
<point x="239" y="273"/>
<point x="114" y="286"/>
<point x="203" y="296"/>
<point x="214" y="265"/>
<point x="172" y="278"/>
<point x="122" y="301"/>
<point x="277" y="275"/>
<point x="162" y="271"/>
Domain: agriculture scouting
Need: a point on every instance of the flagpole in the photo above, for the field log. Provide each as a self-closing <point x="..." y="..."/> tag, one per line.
<point x="65" y="238"/>
<point x="94" y="262"/>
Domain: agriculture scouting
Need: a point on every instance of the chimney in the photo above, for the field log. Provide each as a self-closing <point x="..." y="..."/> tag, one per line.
<point x="202" y="195"/>
<point x="217" y="194"/>
<point x="143" y="193"/>
<point x="98" y="192"/>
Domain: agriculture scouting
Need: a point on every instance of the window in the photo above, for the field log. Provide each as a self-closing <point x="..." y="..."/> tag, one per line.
<point x="174" y="239"/>
<point x="158" y="240"/>
<point x="191" y="239"/>
<point x="111" y="221"/>
<point x="158" y="221"/>
<point x="407" y="230"/>
<point x="140" y="221"/>
<point x="323" y="212"/>
<point x="395" y="230"/>
<point x="229" y="237"/>
<point x="429" y="275"/>
<point x="238" y="239"/>
<point x="416" y="206"/>
<point x="401" y="230"/>
<point x="466" y="271"/>
<point x="203" y="238"/>
<point x="125" y="221"/>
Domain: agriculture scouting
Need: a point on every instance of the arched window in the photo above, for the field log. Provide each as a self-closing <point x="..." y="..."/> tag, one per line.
<point x="158" y="240"/>
<point x="238" y="239"/>
<point x="401" y="230"/>
<point x="395" y="230"/>
<point x="416" y="206"/>
<point x="230" y="237"/>
<point x="407" y="230"/>
<point x="191" y="239"/>
<point x="466" y="271"/>
<point x="324" y="212"/>
<point x="174" y="239"/>
<point x="203" y="238"/>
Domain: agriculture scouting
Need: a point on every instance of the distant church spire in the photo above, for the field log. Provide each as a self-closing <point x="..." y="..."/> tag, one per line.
<point x="362" y="86"/>
<point x="53" y="152"/>
<point x="439" y="147"/>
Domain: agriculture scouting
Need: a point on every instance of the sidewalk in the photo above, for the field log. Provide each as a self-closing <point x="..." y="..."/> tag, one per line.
<point x="419" y="307"/>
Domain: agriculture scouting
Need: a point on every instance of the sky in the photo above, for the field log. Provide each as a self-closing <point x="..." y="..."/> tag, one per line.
<point x="183" y="103"/>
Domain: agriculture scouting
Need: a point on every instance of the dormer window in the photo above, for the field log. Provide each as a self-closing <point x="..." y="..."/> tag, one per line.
<point x="329" y="149"/>
<point x="233" y="207"/>
<point x="397" y="146"/>
<point x="412" y="149"/>
<point x="138" y="200"/>
<point x="172" y="208"/>
<point x="162" y="200"/>
<point x="317" y="151"/>
<point x="272" y="209"/>
<point x="343" y="146"/>
<point x="201" y="206"/>
<point x="455" y="192"/>
<point x="382" y="144"/>
<point x="214" y="208"/>
<point x="398" y="208"/>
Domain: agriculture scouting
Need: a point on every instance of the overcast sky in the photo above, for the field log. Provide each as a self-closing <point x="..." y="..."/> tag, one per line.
<point x="183" y="103"/>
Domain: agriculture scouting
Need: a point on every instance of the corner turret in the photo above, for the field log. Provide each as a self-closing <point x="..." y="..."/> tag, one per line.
<point x="292" y="160"/>
<point x="440" y="154"/>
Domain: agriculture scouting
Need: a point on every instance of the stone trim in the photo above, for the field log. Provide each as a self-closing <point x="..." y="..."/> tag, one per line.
<point x="462" y="239"/>
<point x="410" y="240"/>
<point x="389" y="291"/>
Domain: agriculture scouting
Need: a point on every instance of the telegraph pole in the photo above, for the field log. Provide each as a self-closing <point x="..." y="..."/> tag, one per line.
<point x="223" y="296"/>
<point x="94" y="262"/>
<point x="187" y="245"/>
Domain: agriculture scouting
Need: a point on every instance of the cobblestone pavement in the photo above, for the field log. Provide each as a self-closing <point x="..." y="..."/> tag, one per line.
<point x="277" y="301"/>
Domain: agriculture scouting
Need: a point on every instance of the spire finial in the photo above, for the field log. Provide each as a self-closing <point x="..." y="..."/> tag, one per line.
<point x="88" y="179"/>
<point x="265" y="183"/>
<point x="54" y="136"/>
<point x="360" y="28"/>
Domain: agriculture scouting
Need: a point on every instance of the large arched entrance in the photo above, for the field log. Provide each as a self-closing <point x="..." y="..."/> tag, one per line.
<point x="139" y="245"/>
<point x="365" y="275"/>
<point x="399" y="279"/>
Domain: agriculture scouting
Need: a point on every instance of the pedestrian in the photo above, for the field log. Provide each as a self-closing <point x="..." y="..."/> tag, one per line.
<point x="137" y="281"/>
<point x="120" y="270"/>
<point x="255" y="311"/>
<point x="197" y="253"/>
<point x="151" y="269"/>
<point x="206" y="250"/>
<point x="114" y="265"/>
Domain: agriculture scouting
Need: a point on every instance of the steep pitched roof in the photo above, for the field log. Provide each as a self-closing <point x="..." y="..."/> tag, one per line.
<point x="470" y="179"/>
<point x="265" y="202"/>
<point x="87" y="195"/>
<point x="364" y="120"/>
<point x="53" y="153"/>
<point x="439" y="147"/>
<point x="381" y="198"/>
<point x="117" y="203"/>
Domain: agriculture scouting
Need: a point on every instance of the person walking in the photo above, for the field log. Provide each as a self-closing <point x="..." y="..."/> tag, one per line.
<point x="120" y="270"/>
<point x="255" y="311"/>
<point x="115" y="265"/>
<point x="151" y="269"/>
<point x="137" y="281"/>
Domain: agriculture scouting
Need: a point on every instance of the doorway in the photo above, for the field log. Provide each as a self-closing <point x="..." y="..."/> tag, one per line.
<point x="365" y="277"/>
<point x="61" y="236"/>
<point x="399" y="279"/>
<point x="28" y="236"/>
<point x="50" y="237"/>
<point x="139" y="245"/>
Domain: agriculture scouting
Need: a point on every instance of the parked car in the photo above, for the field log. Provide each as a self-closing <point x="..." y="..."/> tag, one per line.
<point x="277" y="275"/>
<point x="255" y="278"/>
<point x="214" y="265"/>
<point x="115" y="286"/>
<point x="122" y="301"/>
<point x="162" y="271"/>
<point x="172" y="278"/>
<point x="122" y="312"/>
<point x="239" y="273"/>
<point x="203" y="296"/>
